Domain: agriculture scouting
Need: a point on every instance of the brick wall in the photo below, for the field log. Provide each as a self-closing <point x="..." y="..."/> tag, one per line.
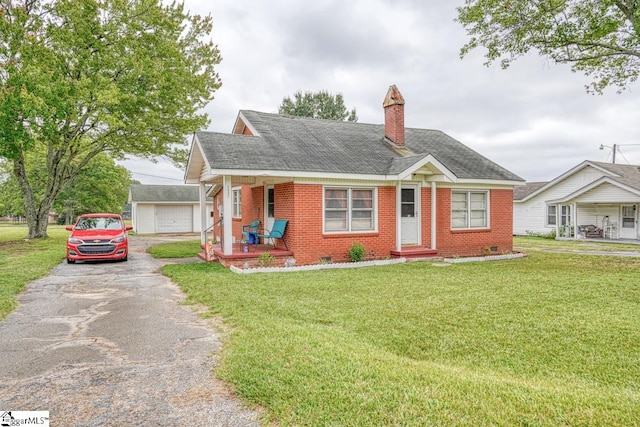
<point x="250" y="210"/>
<point x="499" y="236"/>
<point x="301" y="205"/>
<point x="425" y="203"/>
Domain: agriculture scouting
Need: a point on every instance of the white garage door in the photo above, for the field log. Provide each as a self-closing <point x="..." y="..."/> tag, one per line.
<point x="174" y="219"/>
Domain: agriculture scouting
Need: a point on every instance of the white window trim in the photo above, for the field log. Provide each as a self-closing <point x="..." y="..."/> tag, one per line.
<point x="566" y="216"/>
<point x="234" y="191"/>
<point x="349" y="209"/>
<point x="555" y="208"/>
<point x="488" y="209"/>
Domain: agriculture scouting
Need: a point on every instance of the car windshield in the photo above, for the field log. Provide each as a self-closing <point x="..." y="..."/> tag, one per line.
<point x="99" y="223"/>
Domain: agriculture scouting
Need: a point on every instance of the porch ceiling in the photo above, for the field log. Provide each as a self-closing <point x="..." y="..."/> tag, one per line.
<point x="249" y="180"/>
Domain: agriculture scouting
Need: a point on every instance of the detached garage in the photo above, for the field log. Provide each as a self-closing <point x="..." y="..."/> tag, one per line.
<point x="166" y="209"/>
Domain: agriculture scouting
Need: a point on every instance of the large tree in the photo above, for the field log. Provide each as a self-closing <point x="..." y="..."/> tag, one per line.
<point x="319" y="105"/>
<point x="600" y="38"/>
<point x="102" y="186"/>
<point x="83" y="77"/>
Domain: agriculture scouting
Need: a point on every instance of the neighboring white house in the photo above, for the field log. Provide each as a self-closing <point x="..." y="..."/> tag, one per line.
<point x="603" y="195"/>
<point x="167" y="209"/>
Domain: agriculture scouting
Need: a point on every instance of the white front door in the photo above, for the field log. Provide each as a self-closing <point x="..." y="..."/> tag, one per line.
<point x="410" y="215"/>
<point x="628" y="222"/>
<point x="269" y="207"/>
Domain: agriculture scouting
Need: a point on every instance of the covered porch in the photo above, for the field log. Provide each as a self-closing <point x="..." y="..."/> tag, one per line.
<point x="599" y="221"/>
<point x="244" y="255"/>
<point x="604" y="209"/>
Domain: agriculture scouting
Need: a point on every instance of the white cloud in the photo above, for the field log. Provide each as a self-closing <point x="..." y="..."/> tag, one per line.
<point x="534" y="118"/>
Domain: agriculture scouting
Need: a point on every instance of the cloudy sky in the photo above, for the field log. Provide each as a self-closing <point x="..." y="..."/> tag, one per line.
<point x="535" y="118"/>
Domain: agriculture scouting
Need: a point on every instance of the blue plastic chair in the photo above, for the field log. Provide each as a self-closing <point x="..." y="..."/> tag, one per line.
<point x="276" y="232"/>
<point x="250" y="232"/>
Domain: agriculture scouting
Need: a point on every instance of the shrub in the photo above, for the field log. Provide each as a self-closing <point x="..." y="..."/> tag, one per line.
<point x="357" y="252"/>
<point x="265" y="259"/>
<point x="551" y="235"/>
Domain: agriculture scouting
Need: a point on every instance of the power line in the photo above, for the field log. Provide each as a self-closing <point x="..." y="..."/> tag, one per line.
<point x="156" y="176"/>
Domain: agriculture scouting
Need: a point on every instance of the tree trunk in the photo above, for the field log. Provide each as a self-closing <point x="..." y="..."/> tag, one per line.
<point x="37" y="215"/>
<point x="38" y="225"/>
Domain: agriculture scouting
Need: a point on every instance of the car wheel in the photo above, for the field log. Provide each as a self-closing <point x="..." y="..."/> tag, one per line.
<point x="70" y="261"/>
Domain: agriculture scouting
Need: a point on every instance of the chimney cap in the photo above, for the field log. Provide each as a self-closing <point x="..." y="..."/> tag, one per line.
<point x="394" y="97"/>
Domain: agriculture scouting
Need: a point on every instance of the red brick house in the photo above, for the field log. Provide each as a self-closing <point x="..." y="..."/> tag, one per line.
<point x="398" y="191"/>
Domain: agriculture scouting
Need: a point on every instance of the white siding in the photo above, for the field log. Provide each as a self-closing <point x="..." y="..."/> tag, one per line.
<point x="197" y="226"/>
<point x="144" y="222"/>
<point x="154" y="218"/>
<point x="598" y="215"/>
<point x="607" y="193"/>
<point x="531" y="216"/>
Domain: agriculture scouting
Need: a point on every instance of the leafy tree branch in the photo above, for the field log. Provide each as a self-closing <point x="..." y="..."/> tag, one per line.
<point x="600" y="38"/>
<point x="83" y="77"/>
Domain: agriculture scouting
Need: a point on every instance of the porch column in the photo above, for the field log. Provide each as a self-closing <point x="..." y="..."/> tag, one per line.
<point x="203" y="213"/>
<point x="574" y="220"/>
<point x="434" y="215"/>
<point x="399" y="216"/>
<point x="227" y="215"/>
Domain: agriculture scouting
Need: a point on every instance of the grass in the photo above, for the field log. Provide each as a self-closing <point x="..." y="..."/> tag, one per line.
<point x="522" y="242"/>
<point x="24" y="260"/>
<point x="552" y="339"/>
<point x="185" y="249"/>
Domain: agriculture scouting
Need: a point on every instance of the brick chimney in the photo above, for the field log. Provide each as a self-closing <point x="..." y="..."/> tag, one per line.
<point x="394" y="116"/>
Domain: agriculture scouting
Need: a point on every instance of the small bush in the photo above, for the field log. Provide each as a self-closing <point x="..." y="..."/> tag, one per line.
<point x="357" y="252"/>
<point x="265" y="259"/>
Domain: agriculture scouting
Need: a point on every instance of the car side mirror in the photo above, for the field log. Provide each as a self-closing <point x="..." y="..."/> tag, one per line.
<point x="69" y="227"/>
<point x="128" y="227"/>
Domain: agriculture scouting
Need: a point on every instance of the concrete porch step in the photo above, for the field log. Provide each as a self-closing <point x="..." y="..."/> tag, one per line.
<point x="415" y="252"/>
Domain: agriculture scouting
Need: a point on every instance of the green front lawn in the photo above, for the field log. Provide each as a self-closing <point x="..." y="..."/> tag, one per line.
<point x="185" y="249"/>
<point x="552" y="339"/>
<point x="521" y="242"/>
<point x="24" y="260"/>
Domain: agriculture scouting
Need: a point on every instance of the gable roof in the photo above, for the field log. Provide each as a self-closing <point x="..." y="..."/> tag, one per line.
<point x="301" y="144"/>
<point x="164" y="193"/>
<point x="523" y="191"/>
<point x="616" y="174"/>
<point x="628" y="175"/>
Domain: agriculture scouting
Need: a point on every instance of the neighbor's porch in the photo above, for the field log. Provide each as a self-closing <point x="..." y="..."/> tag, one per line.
<point x="600" y="221"/>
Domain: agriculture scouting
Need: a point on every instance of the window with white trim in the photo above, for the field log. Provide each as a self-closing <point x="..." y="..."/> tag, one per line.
<point x="552" y="215"/>
<point x="469" y="209"/>
<point x="349" y="209"/>
<point x="237" y="202"/>
<point x="565" y="215"/>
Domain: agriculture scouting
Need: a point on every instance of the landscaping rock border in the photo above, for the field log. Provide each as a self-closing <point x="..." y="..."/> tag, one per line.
<point x="318" y="266"/>
<point x="484" y="258"/>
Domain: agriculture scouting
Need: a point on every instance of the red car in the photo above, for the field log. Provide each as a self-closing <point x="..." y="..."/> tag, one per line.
<point x="98" y="237"/>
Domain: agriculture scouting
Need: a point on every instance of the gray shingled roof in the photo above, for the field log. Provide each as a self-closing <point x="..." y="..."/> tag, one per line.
<point x="165" y="193"/>
<point x="629" y="174"/>
<point x="523" y="191"/>
<point x="288" y="143"/>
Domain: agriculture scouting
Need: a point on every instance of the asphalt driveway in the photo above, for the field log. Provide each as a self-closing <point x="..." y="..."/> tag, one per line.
<point x="109" y="344"/>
